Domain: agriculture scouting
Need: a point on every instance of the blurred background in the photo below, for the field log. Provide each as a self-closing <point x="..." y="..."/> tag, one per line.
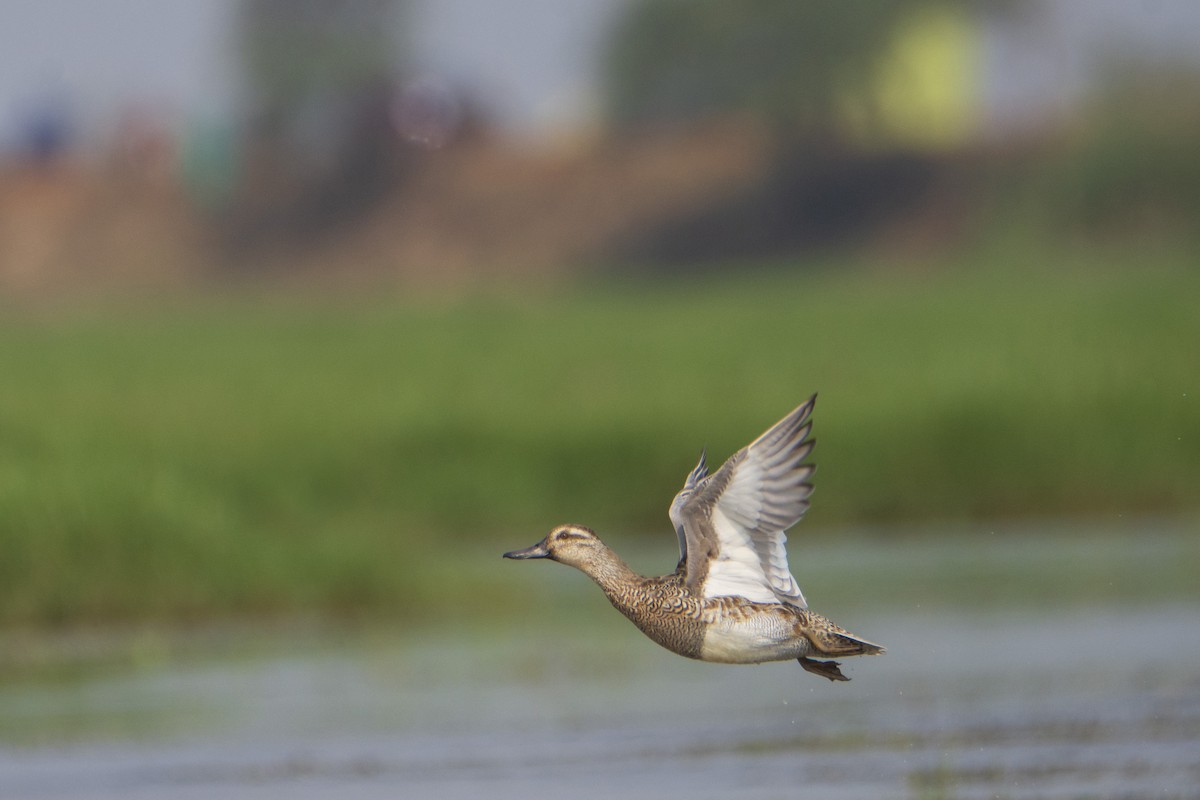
<point x="309" y="310"/>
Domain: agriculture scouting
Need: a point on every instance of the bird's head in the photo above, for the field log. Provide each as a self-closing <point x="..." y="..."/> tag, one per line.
<point x="573" y="545"/>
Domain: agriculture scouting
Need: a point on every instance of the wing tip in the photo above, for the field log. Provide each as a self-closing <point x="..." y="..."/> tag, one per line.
<point x="796" y="426"/>
<point x="700" y="471"/>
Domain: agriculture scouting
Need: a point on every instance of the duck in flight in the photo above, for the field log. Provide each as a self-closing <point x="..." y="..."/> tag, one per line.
<point x="732" y="597"/>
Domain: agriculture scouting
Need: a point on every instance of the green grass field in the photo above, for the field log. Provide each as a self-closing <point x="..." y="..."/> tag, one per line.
<point x="223" y="455"/>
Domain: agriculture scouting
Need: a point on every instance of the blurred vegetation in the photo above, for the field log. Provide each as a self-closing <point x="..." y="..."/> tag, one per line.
<point x="878" y="128"/>
<point x="806" y="69"/>
<point x="291" y="456"/>
<point x="1128" y="168"/>
<point x="319" y="148"/>
<point x="859" y="110"/>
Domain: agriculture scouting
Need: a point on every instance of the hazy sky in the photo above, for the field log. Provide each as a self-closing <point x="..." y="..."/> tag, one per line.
<point x="532" y="61"/>
<point x="100" y="56"/>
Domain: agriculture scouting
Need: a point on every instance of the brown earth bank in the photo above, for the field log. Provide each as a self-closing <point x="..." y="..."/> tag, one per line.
<point x="477" y="209"/>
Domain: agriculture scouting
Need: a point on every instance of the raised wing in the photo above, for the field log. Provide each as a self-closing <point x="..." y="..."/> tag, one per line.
<point x="694" y="479"/>
<point x="734" y="522"/>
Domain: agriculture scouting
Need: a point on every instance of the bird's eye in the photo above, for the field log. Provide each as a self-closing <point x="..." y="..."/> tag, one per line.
<point x="568" y="535"/>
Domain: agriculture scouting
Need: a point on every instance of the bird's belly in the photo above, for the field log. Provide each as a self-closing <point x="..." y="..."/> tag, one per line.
<point x="752" y="641"/>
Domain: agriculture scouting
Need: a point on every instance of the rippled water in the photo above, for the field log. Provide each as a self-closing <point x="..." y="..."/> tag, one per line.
<point x="1036" y="703"/>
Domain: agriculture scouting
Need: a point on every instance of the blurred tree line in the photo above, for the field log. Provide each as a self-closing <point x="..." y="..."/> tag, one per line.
<point x="318" y="85"/>
<point x="798" y="67"/>
<point x="808" y="73"/>
<point x="824" y="78"/>
<point x="864" y="105"/>
<point x="1130" y="166"/>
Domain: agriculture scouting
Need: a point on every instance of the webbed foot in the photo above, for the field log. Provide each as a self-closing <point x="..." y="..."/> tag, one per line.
<point x="826" y="669"/>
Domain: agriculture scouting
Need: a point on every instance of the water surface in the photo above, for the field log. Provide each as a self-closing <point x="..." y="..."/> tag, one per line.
<point x="1049" y="701"/>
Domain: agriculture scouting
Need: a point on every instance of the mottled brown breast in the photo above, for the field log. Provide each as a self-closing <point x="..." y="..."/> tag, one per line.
<point x="665" y="611"/>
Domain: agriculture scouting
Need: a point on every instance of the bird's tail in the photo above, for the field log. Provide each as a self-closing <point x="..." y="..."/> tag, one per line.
<point x="847" y="644"/>
<point x="832" y="640"/>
